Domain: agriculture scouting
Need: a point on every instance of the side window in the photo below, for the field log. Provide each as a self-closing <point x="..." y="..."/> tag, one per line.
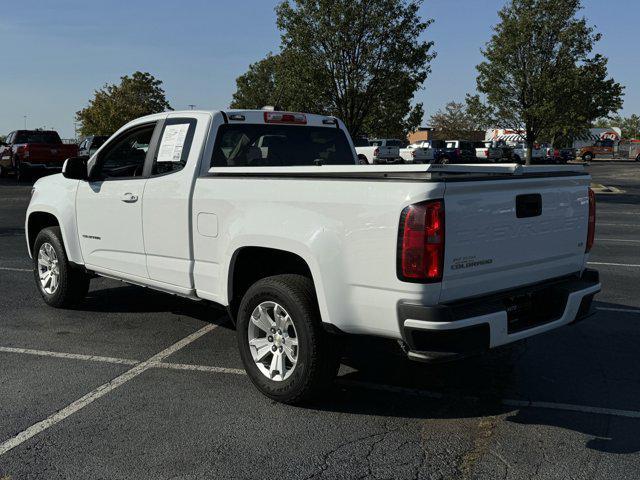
<point x="9" y="139"/>
<point x="174" y="145"/>
<point x="125" y="156"/>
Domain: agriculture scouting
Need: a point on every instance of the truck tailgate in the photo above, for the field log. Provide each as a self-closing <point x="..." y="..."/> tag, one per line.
<point x="501" y="234"/>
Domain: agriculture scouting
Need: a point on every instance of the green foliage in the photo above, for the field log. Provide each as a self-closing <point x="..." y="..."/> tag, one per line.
<point x="539" y="73"/>
<point x="630" y="126"/>
<point x="114" y="105"/>
<point x="457" y="120"/>
<point x="360" y="60"/>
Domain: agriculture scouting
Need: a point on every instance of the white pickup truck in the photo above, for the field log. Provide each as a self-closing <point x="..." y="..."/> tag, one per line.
<point x="419" y="152"/>
<point x="303" y="246"/>
<point x="379" y="151"/>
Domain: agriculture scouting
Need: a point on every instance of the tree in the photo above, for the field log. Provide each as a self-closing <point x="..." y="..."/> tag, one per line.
<point x="114" y="105"/>
<point x="455" y="121"/>
<point x="630" y="126"/>
<point x="360" y="60"/>
<point x="540" y="75"/>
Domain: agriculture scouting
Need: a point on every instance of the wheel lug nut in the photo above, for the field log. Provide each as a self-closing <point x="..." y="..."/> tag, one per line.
<point x="273" y="330"/>
<point x="279" y="332"/>
<point x="274" y="348"/>
<point x="280" y="349"/>
<point x="270" y="338"/>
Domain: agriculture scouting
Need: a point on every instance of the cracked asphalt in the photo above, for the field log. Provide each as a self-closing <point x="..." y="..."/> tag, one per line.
<point x="384" y="418"/>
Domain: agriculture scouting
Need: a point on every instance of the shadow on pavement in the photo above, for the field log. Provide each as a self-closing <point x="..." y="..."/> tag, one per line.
<point x="570" y="365"/>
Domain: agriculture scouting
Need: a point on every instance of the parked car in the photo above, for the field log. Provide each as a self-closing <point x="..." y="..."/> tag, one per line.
<point x="601" y="148"/>
<point x="303" y="246"/>
<point x="454" y="151"/>
<point x="25" y="150"/>
<point x="486" y="152"/>
<point x="419" y="152"/>
<point x="91" y="144"/>
<point x="379" y="151"/>
<point x="538" y="153"/>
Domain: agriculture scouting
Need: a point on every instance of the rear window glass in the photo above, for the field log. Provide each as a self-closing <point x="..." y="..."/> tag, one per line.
<point x="360" y="142"/>
<point x="280" y="145"/>
<point x="394" y="143"/>
<point x="37" y="137"/>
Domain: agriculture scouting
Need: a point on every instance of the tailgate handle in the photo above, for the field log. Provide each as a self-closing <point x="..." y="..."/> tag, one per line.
<point x="529" y="205"/>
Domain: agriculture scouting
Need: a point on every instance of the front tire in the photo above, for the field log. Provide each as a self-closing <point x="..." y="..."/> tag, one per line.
<point x="587" y="157"/>
<point x="285" y="350"/>
<point x="59" y="284"/>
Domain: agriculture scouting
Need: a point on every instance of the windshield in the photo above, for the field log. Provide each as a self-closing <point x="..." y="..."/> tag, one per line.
<point x="37" y="137"/>
<point x="280" y="145"/>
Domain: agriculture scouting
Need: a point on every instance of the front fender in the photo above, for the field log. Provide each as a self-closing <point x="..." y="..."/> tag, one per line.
<point x="56" y="196"/>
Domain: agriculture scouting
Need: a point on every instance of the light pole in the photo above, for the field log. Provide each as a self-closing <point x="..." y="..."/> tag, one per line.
<point x="25" y="121"/>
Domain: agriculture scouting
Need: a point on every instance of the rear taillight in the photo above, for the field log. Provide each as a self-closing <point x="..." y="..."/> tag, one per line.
<point x="285" y="117"/>
<point x="486" y="153"/>
<point x="421" y="242"/>
<point x="25" y="151"/>
<point x="376" y="152"/>
<point x="413" y="153"/>
<point x="591" y="230"/>
<point x="457" y="152"/>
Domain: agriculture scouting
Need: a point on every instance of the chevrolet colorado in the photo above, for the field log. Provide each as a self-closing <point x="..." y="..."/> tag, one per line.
<point x="268" y="214"/>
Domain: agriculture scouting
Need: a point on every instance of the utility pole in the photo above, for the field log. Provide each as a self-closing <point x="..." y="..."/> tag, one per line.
<point x="25" y="121"/>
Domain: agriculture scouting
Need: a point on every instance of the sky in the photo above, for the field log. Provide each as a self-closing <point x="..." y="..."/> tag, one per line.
<point x="55" y="54"/>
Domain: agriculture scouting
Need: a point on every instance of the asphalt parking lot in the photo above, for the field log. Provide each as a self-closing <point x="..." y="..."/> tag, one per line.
<point x="137" y="384"/>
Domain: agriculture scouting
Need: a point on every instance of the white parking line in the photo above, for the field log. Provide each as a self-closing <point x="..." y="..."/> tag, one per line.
<point x="101" y="391"/>
<point x="625" y="240"/>
<point x="200" y="368"/>
<point x="73" y="356"/>
<point x="618" y="224"/>
<point x="11" y="269"/>
<point x="623" y="310"/>
<point x="630" y="265"/>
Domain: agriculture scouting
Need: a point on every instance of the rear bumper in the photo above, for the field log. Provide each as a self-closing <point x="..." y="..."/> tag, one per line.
<point x="54" y="165"/>
<point x="462" y="328"/>
<point x="384" y="161"/>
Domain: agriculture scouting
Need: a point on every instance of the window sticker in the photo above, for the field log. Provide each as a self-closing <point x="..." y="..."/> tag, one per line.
<point x="172" y="143"/>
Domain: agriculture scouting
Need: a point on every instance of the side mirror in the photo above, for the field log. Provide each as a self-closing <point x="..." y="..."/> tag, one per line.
<point x="75" y="168"/>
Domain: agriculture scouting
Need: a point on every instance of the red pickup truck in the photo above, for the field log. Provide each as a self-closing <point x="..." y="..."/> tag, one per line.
<point x="24" y="150"/>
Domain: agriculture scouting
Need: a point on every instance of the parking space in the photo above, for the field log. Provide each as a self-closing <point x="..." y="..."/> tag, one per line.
<point x="137" y="384"/>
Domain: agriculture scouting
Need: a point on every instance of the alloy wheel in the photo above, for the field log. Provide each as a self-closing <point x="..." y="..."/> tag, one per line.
<point x="48" y="268"/>
<point x="273" y="341"/>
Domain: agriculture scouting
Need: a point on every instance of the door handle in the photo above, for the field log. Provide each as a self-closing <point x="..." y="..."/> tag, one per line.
<point x="129" y="198"/>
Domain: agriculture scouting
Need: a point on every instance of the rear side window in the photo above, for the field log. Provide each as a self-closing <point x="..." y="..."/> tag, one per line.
<point x="175" y="144"/>
<point x="280" y="145"/>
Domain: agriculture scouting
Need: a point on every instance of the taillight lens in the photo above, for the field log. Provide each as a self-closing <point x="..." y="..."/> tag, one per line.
<point x="591" y="230"/>
<point x="376" y="152"/>
<point x="486" y="153"/>
<point x="421" y="242"/>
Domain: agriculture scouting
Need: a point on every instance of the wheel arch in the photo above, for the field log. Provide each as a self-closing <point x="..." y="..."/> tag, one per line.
<point x="249" y="264"/>
<point x="36" y="222"/>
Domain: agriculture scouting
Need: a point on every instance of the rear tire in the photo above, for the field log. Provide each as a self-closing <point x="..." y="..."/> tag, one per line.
<point x="59" y="283"/>
<point x="362" y="160"/>
<point x="587" y="157"/>
<point x="300" y="330"/>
